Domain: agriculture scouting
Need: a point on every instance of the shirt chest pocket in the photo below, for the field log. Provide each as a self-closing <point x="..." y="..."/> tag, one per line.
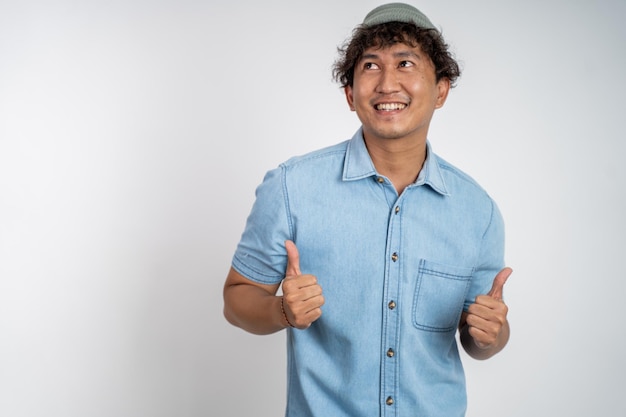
<point x="440" y="292"/>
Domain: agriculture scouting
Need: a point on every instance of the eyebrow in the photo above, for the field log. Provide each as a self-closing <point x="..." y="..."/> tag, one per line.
<point x="401" y="54"/>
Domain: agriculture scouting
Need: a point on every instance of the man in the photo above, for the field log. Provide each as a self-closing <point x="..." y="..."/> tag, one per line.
<point x="383" y="249"/>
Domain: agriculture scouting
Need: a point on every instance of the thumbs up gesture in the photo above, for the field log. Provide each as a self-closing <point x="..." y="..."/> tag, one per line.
<point x="486" y="318"/>
<point x="302" y="295"/>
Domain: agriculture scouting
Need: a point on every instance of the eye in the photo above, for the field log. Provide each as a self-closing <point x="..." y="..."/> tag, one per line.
<point x="405" y="64"/>
<point x="370" y="66"/>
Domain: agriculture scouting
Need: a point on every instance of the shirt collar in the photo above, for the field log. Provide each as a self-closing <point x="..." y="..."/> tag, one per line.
<point x="358" y="165"/>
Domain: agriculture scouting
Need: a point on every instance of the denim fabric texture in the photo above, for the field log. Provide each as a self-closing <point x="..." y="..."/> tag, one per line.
<point x="396" y="272"/>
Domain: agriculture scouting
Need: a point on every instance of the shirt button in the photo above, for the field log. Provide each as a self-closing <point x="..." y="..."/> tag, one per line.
<point x="389" y="401"/>
<point x="380" y="180"/>
<point x="394" y="257"/>
<point x="390" y="353"/>
<point x="397" y="209"/>
<point x="391" y="305"/>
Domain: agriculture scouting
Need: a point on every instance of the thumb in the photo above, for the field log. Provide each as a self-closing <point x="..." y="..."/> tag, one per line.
<point x="498" y="283"/>
<point x="293" y="259"/>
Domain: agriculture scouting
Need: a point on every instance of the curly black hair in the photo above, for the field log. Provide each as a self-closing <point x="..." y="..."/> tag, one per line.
<point x="388" y="34"/>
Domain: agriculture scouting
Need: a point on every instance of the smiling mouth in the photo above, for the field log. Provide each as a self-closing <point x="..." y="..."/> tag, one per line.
<point x="390" y="106"/>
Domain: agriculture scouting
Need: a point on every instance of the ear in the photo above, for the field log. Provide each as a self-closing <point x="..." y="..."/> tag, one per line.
<point x="443" y="88"/>
<point x="349" y="97"/>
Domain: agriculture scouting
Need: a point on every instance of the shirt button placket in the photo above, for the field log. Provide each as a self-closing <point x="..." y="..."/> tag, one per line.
<point x="389" y="350"/>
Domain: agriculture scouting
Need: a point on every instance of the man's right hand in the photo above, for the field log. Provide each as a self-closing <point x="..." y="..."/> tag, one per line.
<point x="302" y="295"/>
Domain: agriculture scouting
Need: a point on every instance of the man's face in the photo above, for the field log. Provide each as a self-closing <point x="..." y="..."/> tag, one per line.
<point x="395" y="93"/>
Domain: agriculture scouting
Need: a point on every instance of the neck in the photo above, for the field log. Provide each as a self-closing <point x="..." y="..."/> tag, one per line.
<point x="400" y="161"/>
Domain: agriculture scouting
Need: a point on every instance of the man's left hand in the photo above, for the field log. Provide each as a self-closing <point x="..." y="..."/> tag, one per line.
<point x="487" y="316"/>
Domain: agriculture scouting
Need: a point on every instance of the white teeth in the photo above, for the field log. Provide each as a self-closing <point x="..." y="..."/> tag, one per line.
<point x="390" y="106"/>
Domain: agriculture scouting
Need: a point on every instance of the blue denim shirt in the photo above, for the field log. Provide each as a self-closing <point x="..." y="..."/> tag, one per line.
<point x="396" y="272"/>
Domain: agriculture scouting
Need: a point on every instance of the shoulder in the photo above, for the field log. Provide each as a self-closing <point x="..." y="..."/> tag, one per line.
<point x="458" y="180"/>
<point x="468" y="195"/>
<point x="466" y="191"/>
<point x="299" y="170"/>
<point x="320" y="156"/>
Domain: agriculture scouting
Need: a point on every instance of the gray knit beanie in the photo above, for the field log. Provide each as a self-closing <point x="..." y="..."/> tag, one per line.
<point x="397" y="12"/>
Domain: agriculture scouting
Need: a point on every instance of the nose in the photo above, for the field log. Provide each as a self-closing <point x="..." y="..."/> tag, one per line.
<point x="387" y="82"/>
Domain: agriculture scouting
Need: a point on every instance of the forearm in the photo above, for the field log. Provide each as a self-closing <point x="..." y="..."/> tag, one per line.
<point x="253" y="309"/>
<point x="482" y="353"/>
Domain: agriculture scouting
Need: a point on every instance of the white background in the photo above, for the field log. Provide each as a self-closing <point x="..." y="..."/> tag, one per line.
<point x="133" y="134"/>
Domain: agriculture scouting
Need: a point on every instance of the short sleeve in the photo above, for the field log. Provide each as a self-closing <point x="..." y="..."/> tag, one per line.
<point x="491" y="257"/>
<point x="260" y="255"/>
